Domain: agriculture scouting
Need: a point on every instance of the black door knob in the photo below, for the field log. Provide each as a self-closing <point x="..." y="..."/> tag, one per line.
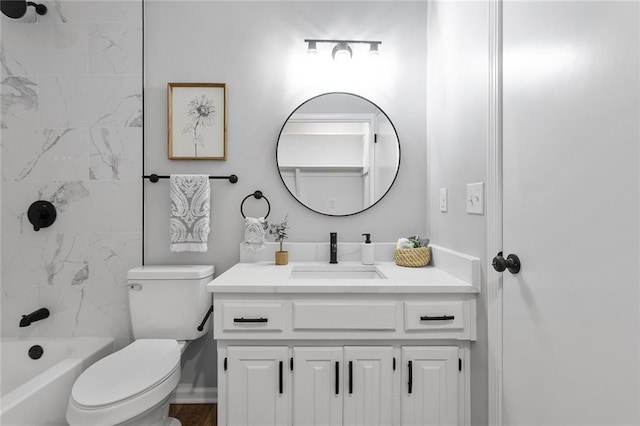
<point x="512" y="263"/>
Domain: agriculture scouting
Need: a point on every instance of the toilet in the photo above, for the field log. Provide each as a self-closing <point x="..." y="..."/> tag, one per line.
<point x="133" y="385"/>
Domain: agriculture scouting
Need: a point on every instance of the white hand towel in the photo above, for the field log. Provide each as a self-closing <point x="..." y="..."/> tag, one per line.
<point x="189" y="220"/>
<point x="254" y="235"/>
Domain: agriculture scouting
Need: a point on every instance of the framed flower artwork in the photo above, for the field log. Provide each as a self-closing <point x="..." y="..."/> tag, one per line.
<point x="197" y="121"/>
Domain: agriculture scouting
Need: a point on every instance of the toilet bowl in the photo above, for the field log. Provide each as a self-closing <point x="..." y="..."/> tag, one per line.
<point x="133" y="385"/>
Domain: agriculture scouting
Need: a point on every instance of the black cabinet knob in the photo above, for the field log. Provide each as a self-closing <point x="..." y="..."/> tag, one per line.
<point x="511" y="263"/>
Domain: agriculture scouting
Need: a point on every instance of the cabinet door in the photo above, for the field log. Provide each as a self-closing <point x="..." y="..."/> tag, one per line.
<point x="368" y="398"/>
<point x="430" y="386"/>
<point x="317" y="386"/>
<point x="257" y="388"/>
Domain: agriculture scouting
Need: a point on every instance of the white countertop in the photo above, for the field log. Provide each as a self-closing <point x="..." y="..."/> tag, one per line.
<point x="266" y="277"/>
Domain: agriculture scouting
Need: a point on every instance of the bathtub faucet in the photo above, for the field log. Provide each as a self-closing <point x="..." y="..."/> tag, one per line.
<point x="34" y="316"/>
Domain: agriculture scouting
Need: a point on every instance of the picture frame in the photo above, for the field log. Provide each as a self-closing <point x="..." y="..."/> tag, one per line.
<point x="197" y="121"/>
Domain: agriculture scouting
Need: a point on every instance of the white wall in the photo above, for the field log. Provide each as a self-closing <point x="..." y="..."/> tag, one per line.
<point x="72" y="134"/>
<point x="257" y="49"/>
<point x="457" y="112"/>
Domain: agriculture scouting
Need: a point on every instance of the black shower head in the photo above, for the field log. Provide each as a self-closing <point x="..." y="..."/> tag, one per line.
<point x="17" y="8"/>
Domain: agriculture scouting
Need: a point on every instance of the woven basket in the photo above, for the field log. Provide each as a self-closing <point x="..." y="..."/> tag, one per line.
<point x="413" y="257"/>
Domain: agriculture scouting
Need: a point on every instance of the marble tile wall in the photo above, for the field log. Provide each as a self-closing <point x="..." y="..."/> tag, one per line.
<point x="71" y="133"/>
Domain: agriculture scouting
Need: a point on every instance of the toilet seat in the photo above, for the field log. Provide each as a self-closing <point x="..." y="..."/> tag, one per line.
<point x="125" y="383"/>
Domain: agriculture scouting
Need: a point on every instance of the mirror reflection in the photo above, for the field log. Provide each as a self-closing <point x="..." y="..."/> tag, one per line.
<point x="338" y="154"/>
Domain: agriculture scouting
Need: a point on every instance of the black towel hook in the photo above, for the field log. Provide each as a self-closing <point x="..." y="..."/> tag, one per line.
<point x="257" y="195"/>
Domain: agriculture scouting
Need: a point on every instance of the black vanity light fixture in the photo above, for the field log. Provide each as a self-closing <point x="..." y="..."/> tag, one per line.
<point x="342" y="48"/>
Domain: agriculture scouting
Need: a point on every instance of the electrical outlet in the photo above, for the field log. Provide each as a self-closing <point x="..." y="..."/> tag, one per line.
<point x="475" y="198"/>
<point x="444" y="200"/>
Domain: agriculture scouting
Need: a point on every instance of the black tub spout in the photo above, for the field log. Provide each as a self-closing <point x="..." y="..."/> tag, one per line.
<point x="34" y="316"/>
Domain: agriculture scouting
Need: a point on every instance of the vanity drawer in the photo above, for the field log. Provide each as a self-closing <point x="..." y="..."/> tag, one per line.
<point x="344" y="315"/>
<point x="435" y="315"/>
<point x="252" y="316"/>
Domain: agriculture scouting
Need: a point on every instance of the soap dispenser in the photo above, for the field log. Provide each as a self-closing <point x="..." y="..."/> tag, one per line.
<point x="368" y="251"/>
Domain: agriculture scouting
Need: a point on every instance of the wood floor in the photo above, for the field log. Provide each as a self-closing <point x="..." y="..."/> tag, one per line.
<point x="195" y="414"/>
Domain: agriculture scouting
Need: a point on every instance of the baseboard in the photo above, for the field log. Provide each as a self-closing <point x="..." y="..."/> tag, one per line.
<point x="188" y="394"/>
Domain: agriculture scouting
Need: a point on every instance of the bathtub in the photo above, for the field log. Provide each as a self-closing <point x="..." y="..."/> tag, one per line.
<point x="36" y="391"/>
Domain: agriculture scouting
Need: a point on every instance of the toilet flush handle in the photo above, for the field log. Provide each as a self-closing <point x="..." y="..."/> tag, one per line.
<point x="135" y="286"/>
<point x="206" y="317"/>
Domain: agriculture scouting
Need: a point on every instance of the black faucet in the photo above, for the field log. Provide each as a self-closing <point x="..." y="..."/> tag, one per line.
<point x="334" y="247"/>
<point x="34" y="316"/>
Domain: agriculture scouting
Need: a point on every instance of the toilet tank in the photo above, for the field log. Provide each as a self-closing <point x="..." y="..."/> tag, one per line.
<point x="169" y="302"/>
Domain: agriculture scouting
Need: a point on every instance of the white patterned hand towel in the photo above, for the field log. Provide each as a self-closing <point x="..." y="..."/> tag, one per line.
<point x="254" y="236"/>
<point x="189" y="220"/>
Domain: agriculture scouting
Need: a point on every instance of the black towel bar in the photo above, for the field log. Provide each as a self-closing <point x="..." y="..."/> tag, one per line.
<point x="154" y="177"/>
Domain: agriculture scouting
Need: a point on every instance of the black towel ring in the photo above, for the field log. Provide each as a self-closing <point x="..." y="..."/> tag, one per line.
<point x="257" y="195"/>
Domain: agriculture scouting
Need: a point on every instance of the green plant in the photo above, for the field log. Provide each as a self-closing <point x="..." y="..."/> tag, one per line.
<point x="279" y="231"/>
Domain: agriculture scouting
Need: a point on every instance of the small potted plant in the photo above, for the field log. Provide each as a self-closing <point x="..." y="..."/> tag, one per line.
<point x="279" y="232"/>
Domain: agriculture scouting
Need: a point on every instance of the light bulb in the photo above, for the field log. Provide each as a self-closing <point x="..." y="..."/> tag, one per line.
<point x="373" y="50"/>
<point x="342" y="52"/>
<point x="312" y="50"/>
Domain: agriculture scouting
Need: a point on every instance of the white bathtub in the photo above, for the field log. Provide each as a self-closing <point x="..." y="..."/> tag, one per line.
<point x="36" y="392"/>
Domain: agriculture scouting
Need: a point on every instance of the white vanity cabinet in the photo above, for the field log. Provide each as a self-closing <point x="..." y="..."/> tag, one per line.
<point x="255" y="388"/>
<point x="317" y="385"/>
<point x="382" y="353"/>
<point x="398" y="361"/>
<point x="430" y="382"/>
<point x="368" y="385"/>
<point x="343" y="385"/>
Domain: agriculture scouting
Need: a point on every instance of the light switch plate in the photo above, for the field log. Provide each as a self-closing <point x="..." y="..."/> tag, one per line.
<point x="475" y="198"/>
<point x="444" y="200"/>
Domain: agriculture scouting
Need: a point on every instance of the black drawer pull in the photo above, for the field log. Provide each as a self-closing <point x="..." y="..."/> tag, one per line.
<point x="350" y="377"/>
<point x="243" y="319"/>
<point x="280" y="382"/>
<point x="439" y="318"/>
<point x="337" y="378"/>
<point x="410" y="384"/>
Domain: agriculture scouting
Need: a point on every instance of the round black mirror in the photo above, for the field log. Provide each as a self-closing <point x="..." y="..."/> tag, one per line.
<point x="338" y="154"/>
<point x="14" y="8"/>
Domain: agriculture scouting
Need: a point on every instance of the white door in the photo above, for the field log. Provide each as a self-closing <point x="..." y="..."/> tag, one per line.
<point x="429" y="386"/>
<point x="571" y="192"/>
<point x="317" y="386"/>
<point x="257" y="386"/>
<point x="368" y="385"/>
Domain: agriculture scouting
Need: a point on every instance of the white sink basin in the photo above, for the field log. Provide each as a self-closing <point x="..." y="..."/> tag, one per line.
<point x="338" y="272"/>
